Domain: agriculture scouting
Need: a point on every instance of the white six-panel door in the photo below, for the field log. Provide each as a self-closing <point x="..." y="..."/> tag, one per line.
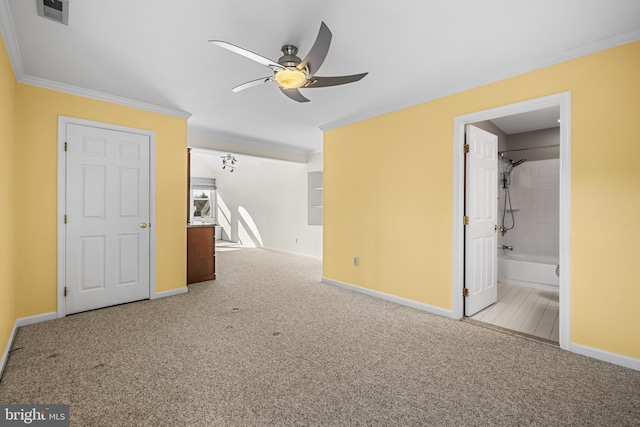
<point x="107" y="208"/>
<point x="481" y="205"/>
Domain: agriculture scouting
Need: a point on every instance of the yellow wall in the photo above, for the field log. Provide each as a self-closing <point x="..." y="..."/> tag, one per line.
<point x="389" y="194"/>
<point x="28" y="191"/>
<point x="7" y="197"/>
<point x="37" y="174"/>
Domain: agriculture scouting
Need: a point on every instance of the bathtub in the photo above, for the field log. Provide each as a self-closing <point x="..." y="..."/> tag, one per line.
<point x="523" y="270"/>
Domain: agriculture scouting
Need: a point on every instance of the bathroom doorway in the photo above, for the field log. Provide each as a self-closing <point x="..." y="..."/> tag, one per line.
<point x="531" y="214"/>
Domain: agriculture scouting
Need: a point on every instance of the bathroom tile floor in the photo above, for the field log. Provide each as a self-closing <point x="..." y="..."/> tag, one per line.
<point x="521" y="309"/>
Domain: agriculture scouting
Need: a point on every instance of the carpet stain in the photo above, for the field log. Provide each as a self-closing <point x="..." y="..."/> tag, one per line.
<point x="347" y="359"/>
<point x="53" y="356"/>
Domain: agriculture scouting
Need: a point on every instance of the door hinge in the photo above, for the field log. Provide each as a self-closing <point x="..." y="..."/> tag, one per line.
<point x="465" y="292"/>
<point x="65" y="146"/>
<point x="466" y="148"/>
<point x="466" y="220"/>
<point x="65" y="291"/>
<point x="65" y="218"/>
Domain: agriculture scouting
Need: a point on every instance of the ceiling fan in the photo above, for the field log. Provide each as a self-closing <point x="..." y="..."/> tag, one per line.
<point x="292" y="73"/>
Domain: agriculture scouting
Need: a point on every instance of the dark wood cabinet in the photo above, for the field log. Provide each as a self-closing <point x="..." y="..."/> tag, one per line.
<point x="201" y="253"/>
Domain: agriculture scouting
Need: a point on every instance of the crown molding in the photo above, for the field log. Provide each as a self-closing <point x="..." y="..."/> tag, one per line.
<point x="11" y="42"/>
<point x="101" y="96"/>
<point x="521" y="68"/>
<point x="208" y="139"/>
<point x="245" y="139"/>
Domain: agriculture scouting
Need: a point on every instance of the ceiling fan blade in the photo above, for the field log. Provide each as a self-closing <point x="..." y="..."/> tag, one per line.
<point x="294" y="94"/>
<point x="333" y="81"/>
<point x="252" y="83"/>
<point x="248" y="54"/>
<point x="318" y="52"/>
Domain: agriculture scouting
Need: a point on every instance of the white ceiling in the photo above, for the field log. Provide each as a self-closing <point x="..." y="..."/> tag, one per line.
<point x="156" y="52"/>
<point x="213" y="159"/>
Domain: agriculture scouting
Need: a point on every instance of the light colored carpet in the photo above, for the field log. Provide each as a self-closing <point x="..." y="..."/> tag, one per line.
<point x="269" y="344"/>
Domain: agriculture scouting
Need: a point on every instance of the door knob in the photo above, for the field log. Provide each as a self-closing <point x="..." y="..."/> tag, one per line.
<point x="143" y="225"/>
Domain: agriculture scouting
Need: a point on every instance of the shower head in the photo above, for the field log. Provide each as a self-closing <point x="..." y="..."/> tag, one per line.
<point x="512" y="165"/>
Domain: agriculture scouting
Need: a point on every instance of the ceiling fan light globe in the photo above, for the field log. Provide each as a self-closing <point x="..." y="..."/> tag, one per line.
<point x="291" y="78"/>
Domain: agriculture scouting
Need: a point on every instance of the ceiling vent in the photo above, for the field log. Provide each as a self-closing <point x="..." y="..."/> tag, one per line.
<point x="56" y="10"/>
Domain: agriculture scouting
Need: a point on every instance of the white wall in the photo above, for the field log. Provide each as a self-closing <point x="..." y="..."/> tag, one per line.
<point x="201" y="168"/>
<point x="265" y="203"/>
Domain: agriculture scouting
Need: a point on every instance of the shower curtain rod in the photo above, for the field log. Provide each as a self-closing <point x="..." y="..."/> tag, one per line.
<point x="530" y="148"/>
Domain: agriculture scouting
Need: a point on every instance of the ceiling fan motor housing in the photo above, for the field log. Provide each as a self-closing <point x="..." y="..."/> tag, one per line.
<point x="289" y="58"/>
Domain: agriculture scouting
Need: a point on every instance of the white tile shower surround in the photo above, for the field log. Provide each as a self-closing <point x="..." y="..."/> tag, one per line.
<point x="526" y="310"/>
<point x="535" y="197"/>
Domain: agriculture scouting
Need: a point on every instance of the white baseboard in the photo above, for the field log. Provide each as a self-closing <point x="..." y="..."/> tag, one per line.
<point x="398" y="300"/>
<point x="169" y="293"/>
<point x="23" y="321"/>
<point x="291" y="253"/>
<point x="7" y="348"/>
<point x="38" y="318"/>
<point x="606" y="356"/>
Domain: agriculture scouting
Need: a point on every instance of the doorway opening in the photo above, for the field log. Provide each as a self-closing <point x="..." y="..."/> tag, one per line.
<point x="526" y="252"/>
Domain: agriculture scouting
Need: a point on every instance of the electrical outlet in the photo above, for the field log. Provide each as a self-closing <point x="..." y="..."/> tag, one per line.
<point x="356" y="261"/>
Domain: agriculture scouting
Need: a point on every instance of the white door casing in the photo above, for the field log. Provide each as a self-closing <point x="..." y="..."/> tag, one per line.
<point x="107" y="234"/>
<point x="562" y="100"/>
<point x="481" y="205"/>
